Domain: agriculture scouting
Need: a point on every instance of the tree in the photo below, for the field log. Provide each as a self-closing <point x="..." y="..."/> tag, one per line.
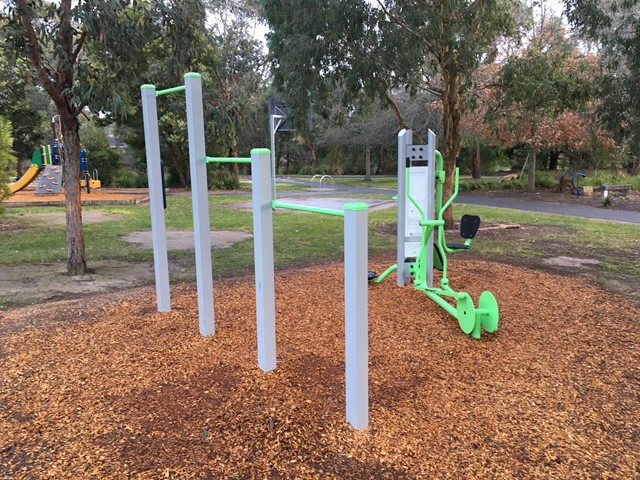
<point x="25" y="105"/>
<point x="100" y="156"/>
<point x="235" y="69"/>
<point x="80" y="59"/>
<point x="431" y="45"/>
<point x="550" y="77"/>
<point x="615" y="25"/>
<point x="6" y="156"/>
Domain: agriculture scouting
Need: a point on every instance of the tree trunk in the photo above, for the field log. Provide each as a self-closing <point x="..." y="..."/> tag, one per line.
<point x="233" y="153"/>
<point x="367" y="164"/>
<point x="475" y="161"/>
<point x="451" y="121"/>
<point x="554" y="156"/>
<point x="531" y="170"/>
<point x="76" y="261"/>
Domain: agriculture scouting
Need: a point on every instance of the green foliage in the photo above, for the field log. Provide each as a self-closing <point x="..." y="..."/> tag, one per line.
<point x="489" y="185"/>
<point x="546" y="180"/>
<point x="615" y="25"/>
<point x="7" y="158"/>
<point x="308" y="170"/>
<point x="23" y="104"/>
<point x="128" y="179"/>
<point x="99" y="155"/>
<point x="611" y="179"/>
<point x="221" y="179"/>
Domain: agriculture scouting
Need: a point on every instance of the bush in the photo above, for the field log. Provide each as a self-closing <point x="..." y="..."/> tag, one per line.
<point x="609" y="179"/>
<point x="546" y="180"/>
<point x="222" y="180"/>
<point x="307" y="170"/>
<point x="128" y="179"/>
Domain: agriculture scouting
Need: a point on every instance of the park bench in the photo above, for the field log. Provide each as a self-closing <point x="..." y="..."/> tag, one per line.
<point x="605" y="189"/>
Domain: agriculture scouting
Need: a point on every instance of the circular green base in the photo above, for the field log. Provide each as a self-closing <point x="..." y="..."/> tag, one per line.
<point x="487" y="302"/>
<point x="465" y="313"/>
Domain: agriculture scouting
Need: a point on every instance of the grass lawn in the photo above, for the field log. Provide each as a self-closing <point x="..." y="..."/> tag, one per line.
<point x="304" y="238"/>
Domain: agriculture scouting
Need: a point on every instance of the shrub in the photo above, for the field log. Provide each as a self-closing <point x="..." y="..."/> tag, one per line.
<point x="307" y="170"/>
<point x="546" y="180"/>
<point x="222" y="180"/>
<point x="128" y="179"/>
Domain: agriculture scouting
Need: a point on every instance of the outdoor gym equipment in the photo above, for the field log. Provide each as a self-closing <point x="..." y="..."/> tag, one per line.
<point x="420" y="219"/>
<point x="263" y="203"/>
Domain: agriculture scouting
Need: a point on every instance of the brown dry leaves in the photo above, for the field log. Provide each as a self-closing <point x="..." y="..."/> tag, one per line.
<point x="117" y="390"/>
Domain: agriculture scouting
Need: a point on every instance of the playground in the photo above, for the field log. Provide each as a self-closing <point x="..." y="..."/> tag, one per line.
<point x="427" y="374"/>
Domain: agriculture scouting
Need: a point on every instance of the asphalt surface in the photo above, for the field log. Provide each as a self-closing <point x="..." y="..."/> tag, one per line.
<point x="487" y="201"/>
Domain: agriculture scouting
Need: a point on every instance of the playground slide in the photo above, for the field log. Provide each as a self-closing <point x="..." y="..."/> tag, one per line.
<point x="28" y="177"/>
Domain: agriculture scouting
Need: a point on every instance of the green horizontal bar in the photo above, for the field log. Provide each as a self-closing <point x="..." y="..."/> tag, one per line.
<point x="443" y="303"/>
<point x="304" y="208"/>
<point x="170" y="90"/>
<point x="227" y="160"/>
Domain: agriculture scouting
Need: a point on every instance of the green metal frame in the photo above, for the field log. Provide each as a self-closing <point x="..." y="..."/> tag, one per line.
<point x="470" y="318"/>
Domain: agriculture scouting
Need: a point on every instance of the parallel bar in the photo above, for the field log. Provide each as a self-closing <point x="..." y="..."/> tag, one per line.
<point x="263" y="258"/>
<point x="304" y="208"/>
<point x="356" y="314"/>
<point x="200" y="202"/>
<point x="154" y="171"/>
<point x="170" y="90"/>
<point x="227" y="160"/>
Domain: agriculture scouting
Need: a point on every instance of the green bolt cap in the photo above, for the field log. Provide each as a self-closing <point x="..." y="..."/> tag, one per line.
<point x="192" y="75"/>
<point x="147" y="86"/>
<point x="355" y="206"/>
<point x="260" y="151"/>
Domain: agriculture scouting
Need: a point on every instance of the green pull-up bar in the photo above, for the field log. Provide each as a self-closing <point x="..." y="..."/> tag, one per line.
<point x="170" y="90"/>
<point x="304" y="208"/>
<point x="227" y="160"/>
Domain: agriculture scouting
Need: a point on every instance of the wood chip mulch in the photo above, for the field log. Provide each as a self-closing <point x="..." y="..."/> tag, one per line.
<point x="109" y="388"/>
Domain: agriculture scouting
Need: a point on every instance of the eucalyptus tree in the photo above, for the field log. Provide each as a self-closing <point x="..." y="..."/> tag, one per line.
<point x="236" y="70"/>
<point x="371" y="48"/>
<point x="90" y="54"/>
<point x="615" y="25"/>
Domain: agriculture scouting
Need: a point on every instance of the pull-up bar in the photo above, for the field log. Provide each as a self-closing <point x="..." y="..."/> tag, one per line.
<point x="170" y="90"/>
<point x="226" y="160"/>
<point x="305" y="208"/>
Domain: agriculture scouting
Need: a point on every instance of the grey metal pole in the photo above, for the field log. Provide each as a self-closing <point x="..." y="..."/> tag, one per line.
<point x="404" y="139"/>
<point x="356" y="314"/>
<point x="272" y="156"/>
<point x="154" y="172"/>
<point x="430" y="200"/>
<point x="263" y="258"/>
<point x="200" y="201"/>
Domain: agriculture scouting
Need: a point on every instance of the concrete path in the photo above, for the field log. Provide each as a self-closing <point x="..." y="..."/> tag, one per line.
<point x="488" y="201"/>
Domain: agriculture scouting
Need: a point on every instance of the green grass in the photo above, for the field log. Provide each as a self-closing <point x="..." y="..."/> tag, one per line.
<point x="302" y="238"/>
<point x="613" y="243"/>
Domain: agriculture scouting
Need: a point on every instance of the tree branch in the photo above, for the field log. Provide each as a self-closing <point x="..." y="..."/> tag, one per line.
<point x="34" y="53"/>
<point x="79" y="46"/>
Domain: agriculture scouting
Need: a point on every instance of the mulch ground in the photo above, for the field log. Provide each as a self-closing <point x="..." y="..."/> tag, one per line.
<point x="117" y="390"/>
